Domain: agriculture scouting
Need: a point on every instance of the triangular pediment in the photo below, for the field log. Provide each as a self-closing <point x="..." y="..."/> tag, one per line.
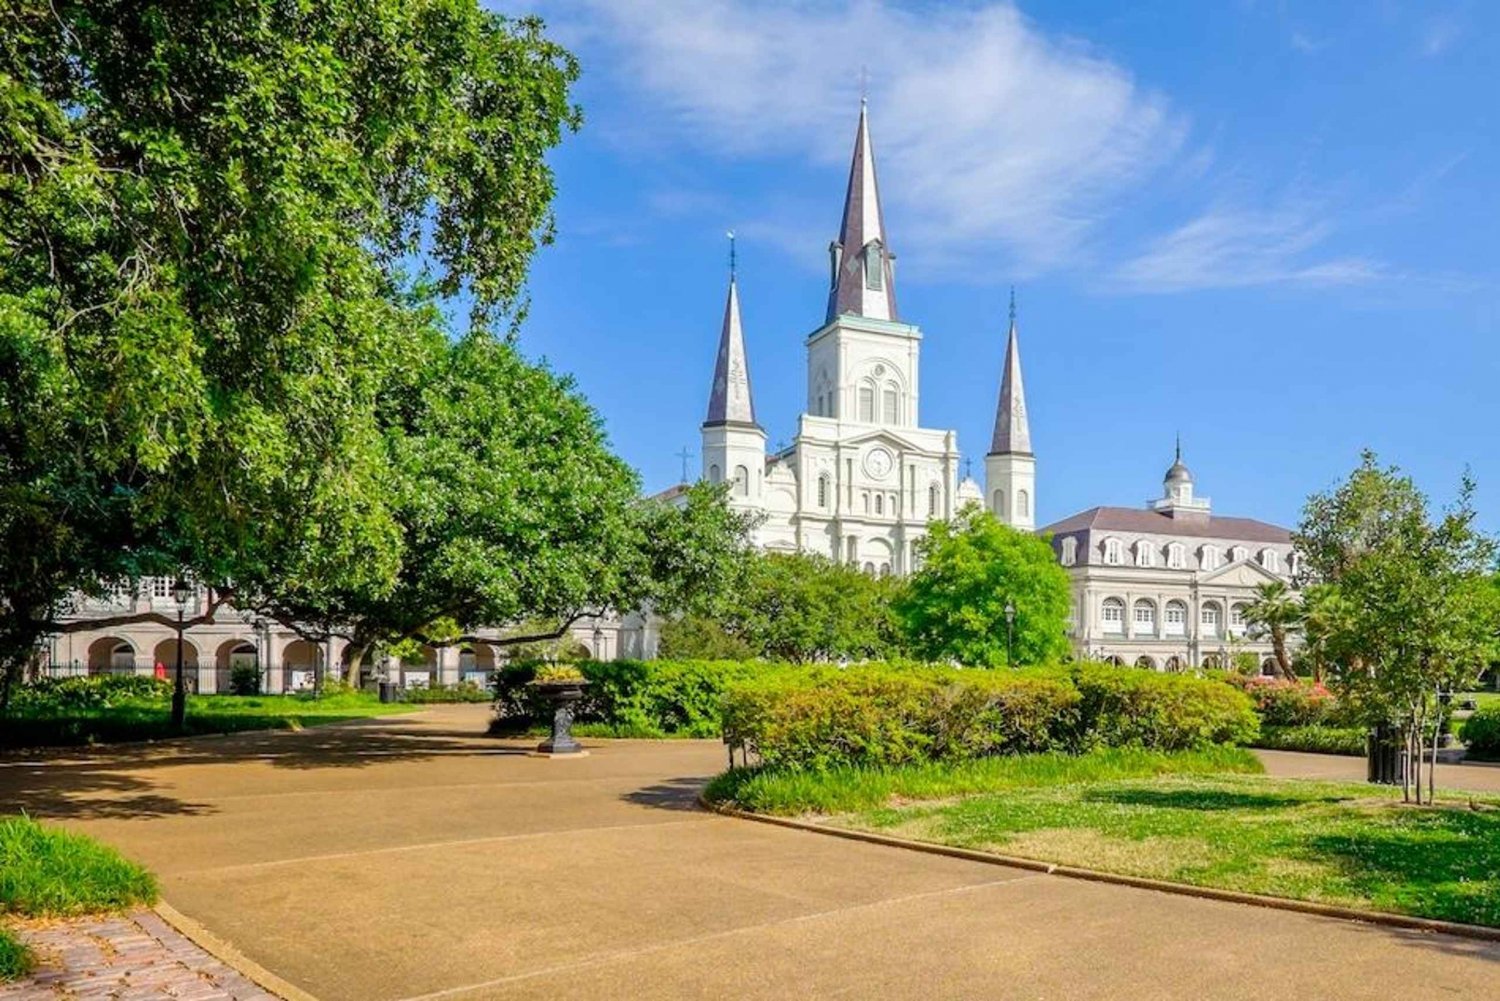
<point x="883" y="436"/>
<point x="1244" y="573"/>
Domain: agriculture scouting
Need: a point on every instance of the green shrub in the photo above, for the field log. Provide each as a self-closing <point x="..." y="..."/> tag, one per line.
<point x="1280" y="702"/>
<point x="464" y="691"/>
<point x="1481" y="732"/>
<point x="883" y="716"/>
<point x="88" y="692"/>
<point x="1317" y="739"/>
<point x="1123" y="706"/>
<point x="244" y="680"/>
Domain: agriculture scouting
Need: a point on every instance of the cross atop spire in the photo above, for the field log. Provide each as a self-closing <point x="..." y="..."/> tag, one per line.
<point x="863" y="279"/>
<point x="729" y="401"/>
<point x="1012" y="430"/>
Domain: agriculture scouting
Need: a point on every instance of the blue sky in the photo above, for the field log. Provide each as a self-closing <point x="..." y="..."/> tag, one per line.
<point x="1269" y="226"/>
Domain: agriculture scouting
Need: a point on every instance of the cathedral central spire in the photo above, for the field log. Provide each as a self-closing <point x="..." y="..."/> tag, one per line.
<point x="730" y="401"/>
<point x="863" y="273"/>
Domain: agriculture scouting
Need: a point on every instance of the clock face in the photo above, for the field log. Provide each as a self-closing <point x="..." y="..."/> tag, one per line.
<point x="879" y="463"/>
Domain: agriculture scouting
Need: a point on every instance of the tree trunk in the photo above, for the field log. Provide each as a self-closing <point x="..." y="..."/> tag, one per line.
<point x="354" y="657"/>
<point x="1283" y="662"/>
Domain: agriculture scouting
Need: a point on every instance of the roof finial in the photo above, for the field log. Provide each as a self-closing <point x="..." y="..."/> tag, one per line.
<point x="1178" y="457"/>
<point x="730" y="234"/>
<point x="864" y="85"/>
<point x="1012" y="305"/>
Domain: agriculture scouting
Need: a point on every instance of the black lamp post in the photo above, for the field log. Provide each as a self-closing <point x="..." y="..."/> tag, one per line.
<point x="598" y="643"/>
<point x="1010" y="633"/>
<point x="180" y="594"/>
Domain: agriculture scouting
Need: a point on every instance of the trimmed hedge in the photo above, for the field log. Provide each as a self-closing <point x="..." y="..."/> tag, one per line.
<point x="1481" y="732"/>
<point x="877" y="717"/>
<point x="1317" y="739"/>
<point x="87" y="692"/>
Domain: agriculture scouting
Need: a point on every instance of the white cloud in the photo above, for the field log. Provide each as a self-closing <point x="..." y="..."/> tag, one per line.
<point x="1439" y="35"/>
<point x="1229" y="247"/>
<point x="989" y="133"/>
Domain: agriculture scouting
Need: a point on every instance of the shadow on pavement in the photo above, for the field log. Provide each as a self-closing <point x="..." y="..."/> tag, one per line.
<point x="671" y="794"/>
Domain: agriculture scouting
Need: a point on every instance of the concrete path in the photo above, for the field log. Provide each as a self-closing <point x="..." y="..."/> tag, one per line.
<point x="412" y="859"/>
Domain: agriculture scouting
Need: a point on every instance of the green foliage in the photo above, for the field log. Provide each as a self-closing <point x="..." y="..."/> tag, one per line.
<point x="1279" y="702"/>
<point x="802" y="607"/>
<point x="953" y="608"/>
<point x="1129" y="706"/>
<point x="227" y="232"/>
<point x="244" y="680"/>
<point x="1317" y="738"/>
<point x="88" y="692"/>
<point x="557" y="674"/>
<point x="464" y="691"/>
<point x="49" y="872"/>
<point x="698" y="637"/>
<point x="1481" y="732"/>
<point x="844" y="789"/>
<point x="16" y="960"/>
<point x="1278" y="613"/>
<point x="878" y="717"/>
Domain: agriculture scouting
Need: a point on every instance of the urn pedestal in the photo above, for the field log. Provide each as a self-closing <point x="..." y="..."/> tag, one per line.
<point x="562" y="697"/>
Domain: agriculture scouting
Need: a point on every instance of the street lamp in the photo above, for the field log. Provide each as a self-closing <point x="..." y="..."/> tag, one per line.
<point x="598" y="643"/>
<point x="1010" y="633"/>
<point x="180" y="594"/>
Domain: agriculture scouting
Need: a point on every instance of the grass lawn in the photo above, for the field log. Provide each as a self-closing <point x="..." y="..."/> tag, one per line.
<point x="47" y="872"/>
<point x="150" y="719"/>
<point x="1482" y="699"/>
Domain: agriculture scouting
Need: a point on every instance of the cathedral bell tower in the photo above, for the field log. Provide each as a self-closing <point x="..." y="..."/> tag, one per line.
<point x="734" y="445"/>
<point x="1010" y="466"/>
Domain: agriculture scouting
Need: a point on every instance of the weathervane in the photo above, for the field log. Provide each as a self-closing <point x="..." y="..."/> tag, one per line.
<point x="730" y="234"/>
<point x="864" y="85"/>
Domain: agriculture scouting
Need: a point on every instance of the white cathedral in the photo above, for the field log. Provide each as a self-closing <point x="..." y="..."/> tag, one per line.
<point x="1164" y="586"/>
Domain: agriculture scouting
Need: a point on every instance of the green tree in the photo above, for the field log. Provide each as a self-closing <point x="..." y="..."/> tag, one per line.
<point x="700" y="637"/>
<point x="222" y="228"/>
<point x="953" y="608"/>
<point x="1403" y="606"/>
<point x="1278" y="613"/>
<point x="511" y="509"/>
<point x="803" y="607"/>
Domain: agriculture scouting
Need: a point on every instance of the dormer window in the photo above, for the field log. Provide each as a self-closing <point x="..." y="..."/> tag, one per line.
<point x="1271" y="560"/>
<point x="1145" y="554"/>
<point x="1114" y="552"/>
<point x="1069" y="551"/>
<point x="1176" y="556"/>
<point x="1208" y="558"/>
<point x="1238" y="553"/>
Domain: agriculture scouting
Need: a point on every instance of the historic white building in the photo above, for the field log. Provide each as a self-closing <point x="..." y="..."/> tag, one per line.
<point x="862" y="477"/>
<point x="1164" y="586"/>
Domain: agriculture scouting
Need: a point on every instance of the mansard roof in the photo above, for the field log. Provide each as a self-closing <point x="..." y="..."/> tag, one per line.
<point x="1145" y="522"/>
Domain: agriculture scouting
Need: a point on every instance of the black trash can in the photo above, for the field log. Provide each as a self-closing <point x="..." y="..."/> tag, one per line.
<point x="390" y="692"/>
<point x="1384" y="756"/>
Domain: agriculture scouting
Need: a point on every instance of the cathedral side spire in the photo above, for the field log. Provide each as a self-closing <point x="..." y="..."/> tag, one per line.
<point x="1012" y="431"/>
<point x="863" y="275"/>
<point x="730" y="401"/>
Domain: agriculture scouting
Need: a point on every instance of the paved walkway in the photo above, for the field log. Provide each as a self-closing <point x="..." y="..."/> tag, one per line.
<point x="134" y="957"/>
<point x="405" y="859"/>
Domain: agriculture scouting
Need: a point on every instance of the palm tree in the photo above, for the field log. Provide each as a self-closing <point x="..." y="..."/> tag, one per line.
<point x="1277" y="612"/>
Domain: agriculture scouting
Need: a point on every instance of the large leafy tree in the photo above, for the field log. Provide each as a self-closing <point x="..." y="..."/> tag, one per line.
<point x="1402" y="605"/>
<point x="511" y="508"/>
<point x="223" y="227"/>
<point x="953" y="608"/>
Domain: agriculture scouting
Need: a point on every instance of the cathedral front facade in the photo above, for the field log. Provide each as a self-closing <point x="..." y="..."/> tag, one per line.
<point x="1164" y="586"/>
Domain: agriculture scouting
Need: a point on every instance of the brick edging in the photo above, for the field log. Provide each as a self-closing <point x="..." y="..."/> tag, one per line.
<point x="228" y="954"/>
<point x="1384" y="918"/>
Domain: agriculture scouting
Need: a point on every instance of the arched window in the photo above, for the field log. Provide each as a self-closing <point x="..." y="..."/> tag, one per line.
<point x="1114" y="552"/>
<point x="1208" y="558"/>
<point x="1173" y="664"/>
<point x="1175" y="618"/>
<point x="742" y="481"/>
<point x="1176" y="556"/>
<point x="873" y="277"/>
<point x="1271" y="560"/>
<point x="1023" y="504"/>
<point x="713" y="474"/>
<point x="1069" y="551"/>
<point x="932" y="501"/>
<point x="892" y="404"/>
<point x="869" y="568"/>
<point x="865" y="498"/>
<point x="999" y="503"/>
<point x="880" y="504"/>
<point x="867" y="403"/>
<point x="1145" y="662"/>
<point x="823" y="491"/>
<point x="1209" y="617"/>
<point x="885" y="569"/>
<point x="1212" y="662"/>
<point x="1145" y="554"/>
<point x="1268" y="667"/>
<point x="1237" y="616"/>
<point x="1112" y="615"/>
<point x="1145" y="616"/>
<point x="819" y="411"/>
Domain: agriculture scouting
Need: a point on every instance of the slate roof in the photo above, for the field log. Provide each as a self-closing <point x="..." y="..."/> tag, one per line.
<point x="1130" y="519"/>
<point x="863" y="222"/>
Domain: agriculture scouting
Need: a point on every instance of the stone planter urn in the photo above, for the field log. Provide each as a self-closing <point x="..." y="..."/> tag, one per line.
<point x="562" y="696"/>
